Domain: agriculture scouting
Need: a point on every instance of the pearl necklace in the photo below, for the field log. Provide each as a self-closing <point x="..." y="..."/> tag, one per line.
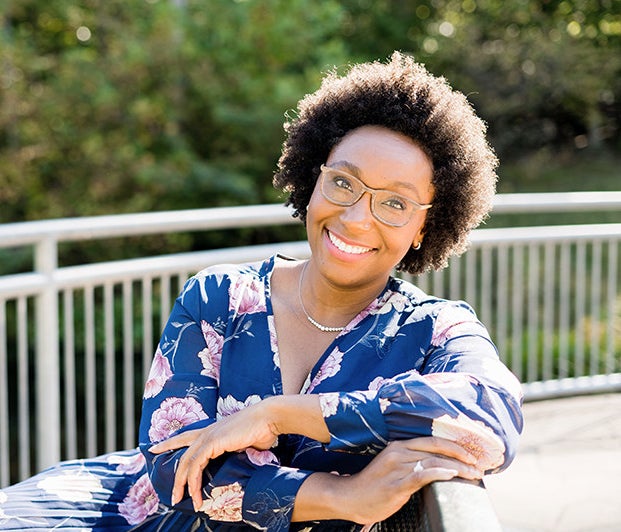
<point x="322" y="328"/>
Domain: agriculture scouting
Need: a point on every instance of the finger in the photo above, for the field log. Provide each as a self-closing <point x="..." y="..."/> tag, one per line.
<point x="181" y="476"/>
<point x="441" y="463"/>
<point x="185" y="439"/>
<point x="440" y="446"/>
<point x="178" y="485"/>
<point x="198" y="462"/>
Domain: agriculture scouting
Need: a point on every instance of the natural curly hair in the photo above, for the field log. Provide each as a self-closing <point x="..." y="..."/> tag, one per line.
<point x="403" y="96"/>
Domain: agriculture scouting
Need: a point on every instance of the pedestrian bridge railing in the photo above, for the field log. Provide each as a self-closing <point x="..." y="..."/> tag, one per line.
<point x="76" y="341"/>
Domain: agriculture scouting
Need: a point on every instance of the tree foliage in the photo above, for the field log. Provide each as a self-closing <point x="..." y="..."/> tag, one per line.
<point x="122" y="106"/>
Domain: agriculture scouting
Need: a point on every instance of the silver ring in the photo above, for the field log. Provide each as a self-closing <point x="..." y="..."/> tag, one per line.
<point x="418" y="466"/>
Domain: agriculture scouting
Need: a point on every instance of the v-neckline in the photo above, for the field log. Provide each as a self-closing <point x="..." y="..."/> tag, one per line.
<point x="274" y="343"/>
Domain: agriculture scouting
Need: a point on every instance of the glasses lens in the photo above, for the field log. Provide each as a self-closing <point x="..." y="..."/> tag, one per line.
<point x="391" y="208"/>
<point x="343" y="189"/>
<point x="340" y="188"/>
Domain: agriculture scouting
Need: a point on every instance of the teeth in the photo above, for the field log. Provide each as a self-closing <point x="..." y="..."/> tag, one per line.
<point x="356" y="250"/>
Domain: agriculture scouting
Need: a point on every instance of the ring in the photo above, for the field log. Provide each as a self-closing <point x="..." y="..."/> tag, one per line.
<point x="418" y="467"/>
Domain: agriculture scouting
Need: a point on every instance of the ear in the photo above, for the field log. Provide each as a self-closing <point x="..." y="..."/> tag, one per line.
<point x="418" y="239"/>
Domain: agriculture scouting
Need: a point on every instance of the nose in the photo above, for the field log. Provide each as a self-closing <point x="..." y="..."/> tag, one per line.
<point x="359" y="213"/>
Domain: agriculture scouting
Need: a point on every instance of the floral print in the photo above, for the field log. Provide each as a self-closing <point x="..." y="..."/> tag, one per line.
<point x="408" y="365"/>
<point x="247" y="295"/>
<point x="229" y="405"/>
<point x="141" y="501"/>
<point x="261" y="458"/>
<point x="129" y="464"/>
<point x="173" y="414"/>
<point x="210" y="356"/>
<point x="474" y="436"/>
<point x="329" y="403"/>
<point x="224" y="503"/>
<point x="158" y="375"/>
<point x="330" y="367"/>
<point x="74" y="487"/>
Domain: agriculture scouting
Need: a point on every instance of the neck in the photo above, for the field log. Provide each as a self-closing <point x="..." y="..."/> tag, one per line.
<point x="329" y="304"/>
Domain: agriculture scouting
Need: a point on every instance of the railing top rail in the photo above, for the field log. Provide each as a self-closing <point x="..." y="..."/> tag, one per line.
<point x="556" y="202"/>
<point x="122" y="225"/>
<point x="547" y="233"/>
<point x="88" y="227"/>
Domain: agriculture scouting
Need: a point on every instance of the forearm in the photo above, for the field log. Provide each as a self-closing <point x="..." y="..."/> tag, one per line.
<point x="321" y="497"/>
<point x="297" y="414"/>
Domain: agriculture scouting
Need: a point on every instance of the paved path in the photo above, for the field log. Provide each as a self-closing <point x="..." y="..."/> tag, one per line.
<point x="567" y="474"/>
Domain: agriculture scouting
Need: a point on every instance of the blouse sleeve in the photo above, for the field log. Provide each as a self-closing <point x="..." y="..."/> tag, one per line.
<point x="181" y="393"/>
<point x="463" y="393"/>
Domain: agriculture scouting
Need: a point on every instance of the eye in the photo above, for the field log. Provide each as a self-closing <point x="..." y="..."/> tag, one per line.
<point x="396" y="203"/>
<point x="340" y="181"/>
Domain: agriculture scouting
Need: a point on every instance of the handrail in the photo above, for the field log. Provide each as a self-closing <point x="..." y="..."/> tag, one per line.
<point x="90" y="227"/>
<point x="445" y="506"/>
<point x="557" y="202"/>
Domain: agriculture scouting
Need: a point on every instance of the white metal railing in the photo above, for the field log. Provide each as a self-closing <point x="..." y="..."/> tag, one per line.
<point x="550" y="296"/>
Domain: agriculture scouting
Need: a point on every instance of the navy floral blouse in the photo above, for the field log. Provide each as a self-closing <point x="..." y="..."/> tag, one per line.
<point x="408" y="365"/>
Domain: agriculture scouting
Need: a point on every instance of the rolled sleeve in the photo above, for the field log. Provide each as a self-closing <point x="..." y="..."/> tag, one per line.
<point x="355" y="422"/>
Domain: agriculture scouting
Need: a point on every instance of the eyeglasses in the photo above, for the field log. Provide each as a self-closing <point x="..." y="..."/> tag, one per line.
<point x="388" y="207"/>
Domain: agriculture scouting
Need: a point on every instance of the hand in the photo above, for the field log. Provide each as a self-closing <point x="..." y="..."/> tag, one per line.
<point x="400" y="470"/>
<point x="249" y="427"/>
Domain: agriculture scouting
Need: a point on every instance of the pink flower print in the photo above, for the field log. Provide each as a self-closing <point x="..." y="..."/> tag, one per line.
<point x="247" y="296"/>
<point x="128" y="464"/>
<point x="377" y="383"/>
<point x="229" y="405"/>
<point x="261" y="458"/>
<point x="212" y="354"/>
<point x="449" y="323"/>
<point x="224" y="503"/>
<point x="474" y="436"/>
<point x="330" y="367"/>
<point x="158" y="375"/>
<point x="448" y="380"/>
<point x="173" y="414"/>
<point x="329" y="403"/>
<point x="140" y="502"/>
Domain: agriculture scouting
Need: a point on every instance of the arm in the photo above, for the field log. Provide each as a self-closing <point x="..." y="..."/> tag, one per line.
<point x="386" y="484"/>
<point x="181" y="395"/>
<point x="463" y="392"/>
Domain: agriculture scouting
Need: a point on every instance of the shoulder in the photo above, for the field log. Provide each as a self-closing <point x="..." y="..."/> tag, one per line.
<point x="221" y="282"/>
<point x="416" y="301"/>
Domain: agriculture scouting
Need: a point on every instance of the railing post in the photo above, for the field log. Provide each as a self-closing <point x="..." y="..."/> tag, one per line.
<point x="47" y="357"/>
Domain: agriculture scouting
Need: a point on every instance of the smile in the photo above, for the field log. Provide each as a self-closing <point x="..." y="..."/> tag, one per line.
<point x="346" y="248"/>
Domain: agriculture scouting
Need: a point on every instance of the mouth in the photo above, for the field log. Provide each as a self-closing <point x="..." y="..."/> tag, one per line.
<point x="347" y="248"/>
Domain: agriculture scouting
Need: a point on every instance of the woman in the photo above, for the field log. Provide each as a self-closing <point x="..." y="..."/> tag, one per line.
<point x="286" y="394"/>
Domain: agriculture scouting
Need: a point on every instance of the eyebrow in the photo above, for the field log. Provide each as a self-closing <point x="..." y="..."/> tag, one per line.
<point x="355" y="171"/>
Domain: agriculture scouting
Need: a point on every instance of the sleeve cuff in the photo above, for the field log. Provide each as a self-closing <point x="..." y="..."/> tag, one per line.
<point x="270" y="496"/>
<point x="355" y="422"/>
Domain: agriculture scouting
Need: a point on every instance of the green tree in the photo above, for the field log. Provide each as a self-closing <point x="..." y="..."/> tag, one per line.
<point x="129" y="106"/>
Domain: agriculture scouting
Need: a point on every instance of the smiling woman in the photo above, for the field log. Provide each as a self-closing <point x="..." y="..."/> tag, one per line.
<point x="290" y="395"/>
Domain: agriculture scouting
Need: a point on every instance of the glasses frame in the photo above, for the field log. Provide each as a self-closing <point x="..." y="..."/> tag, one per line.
<point x="373" y="192"/>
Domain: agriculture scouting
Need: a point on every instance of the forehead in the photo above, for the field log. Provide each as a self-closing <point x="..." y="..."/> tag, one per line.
<point x="383" y="158"/>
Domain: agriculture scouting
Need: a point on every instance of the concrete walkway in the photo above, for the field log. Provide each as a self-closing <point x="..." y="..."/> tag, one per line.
<point x="567" y="474"/>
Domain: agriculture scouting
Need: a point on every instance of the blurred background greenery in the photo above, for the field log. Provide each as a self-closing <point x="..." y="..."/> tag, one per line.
<point x="110" y="106"/>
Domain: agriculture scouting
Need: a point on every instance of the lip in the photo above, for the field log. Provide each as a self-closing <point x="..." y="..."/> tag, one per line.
<point x="343" y="254"/>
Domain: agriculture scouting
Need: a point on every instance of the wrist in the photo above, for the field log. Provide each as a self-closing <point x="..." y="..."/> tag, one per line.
<point x="322" y="496"/>
<point x="297" y="414"/>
